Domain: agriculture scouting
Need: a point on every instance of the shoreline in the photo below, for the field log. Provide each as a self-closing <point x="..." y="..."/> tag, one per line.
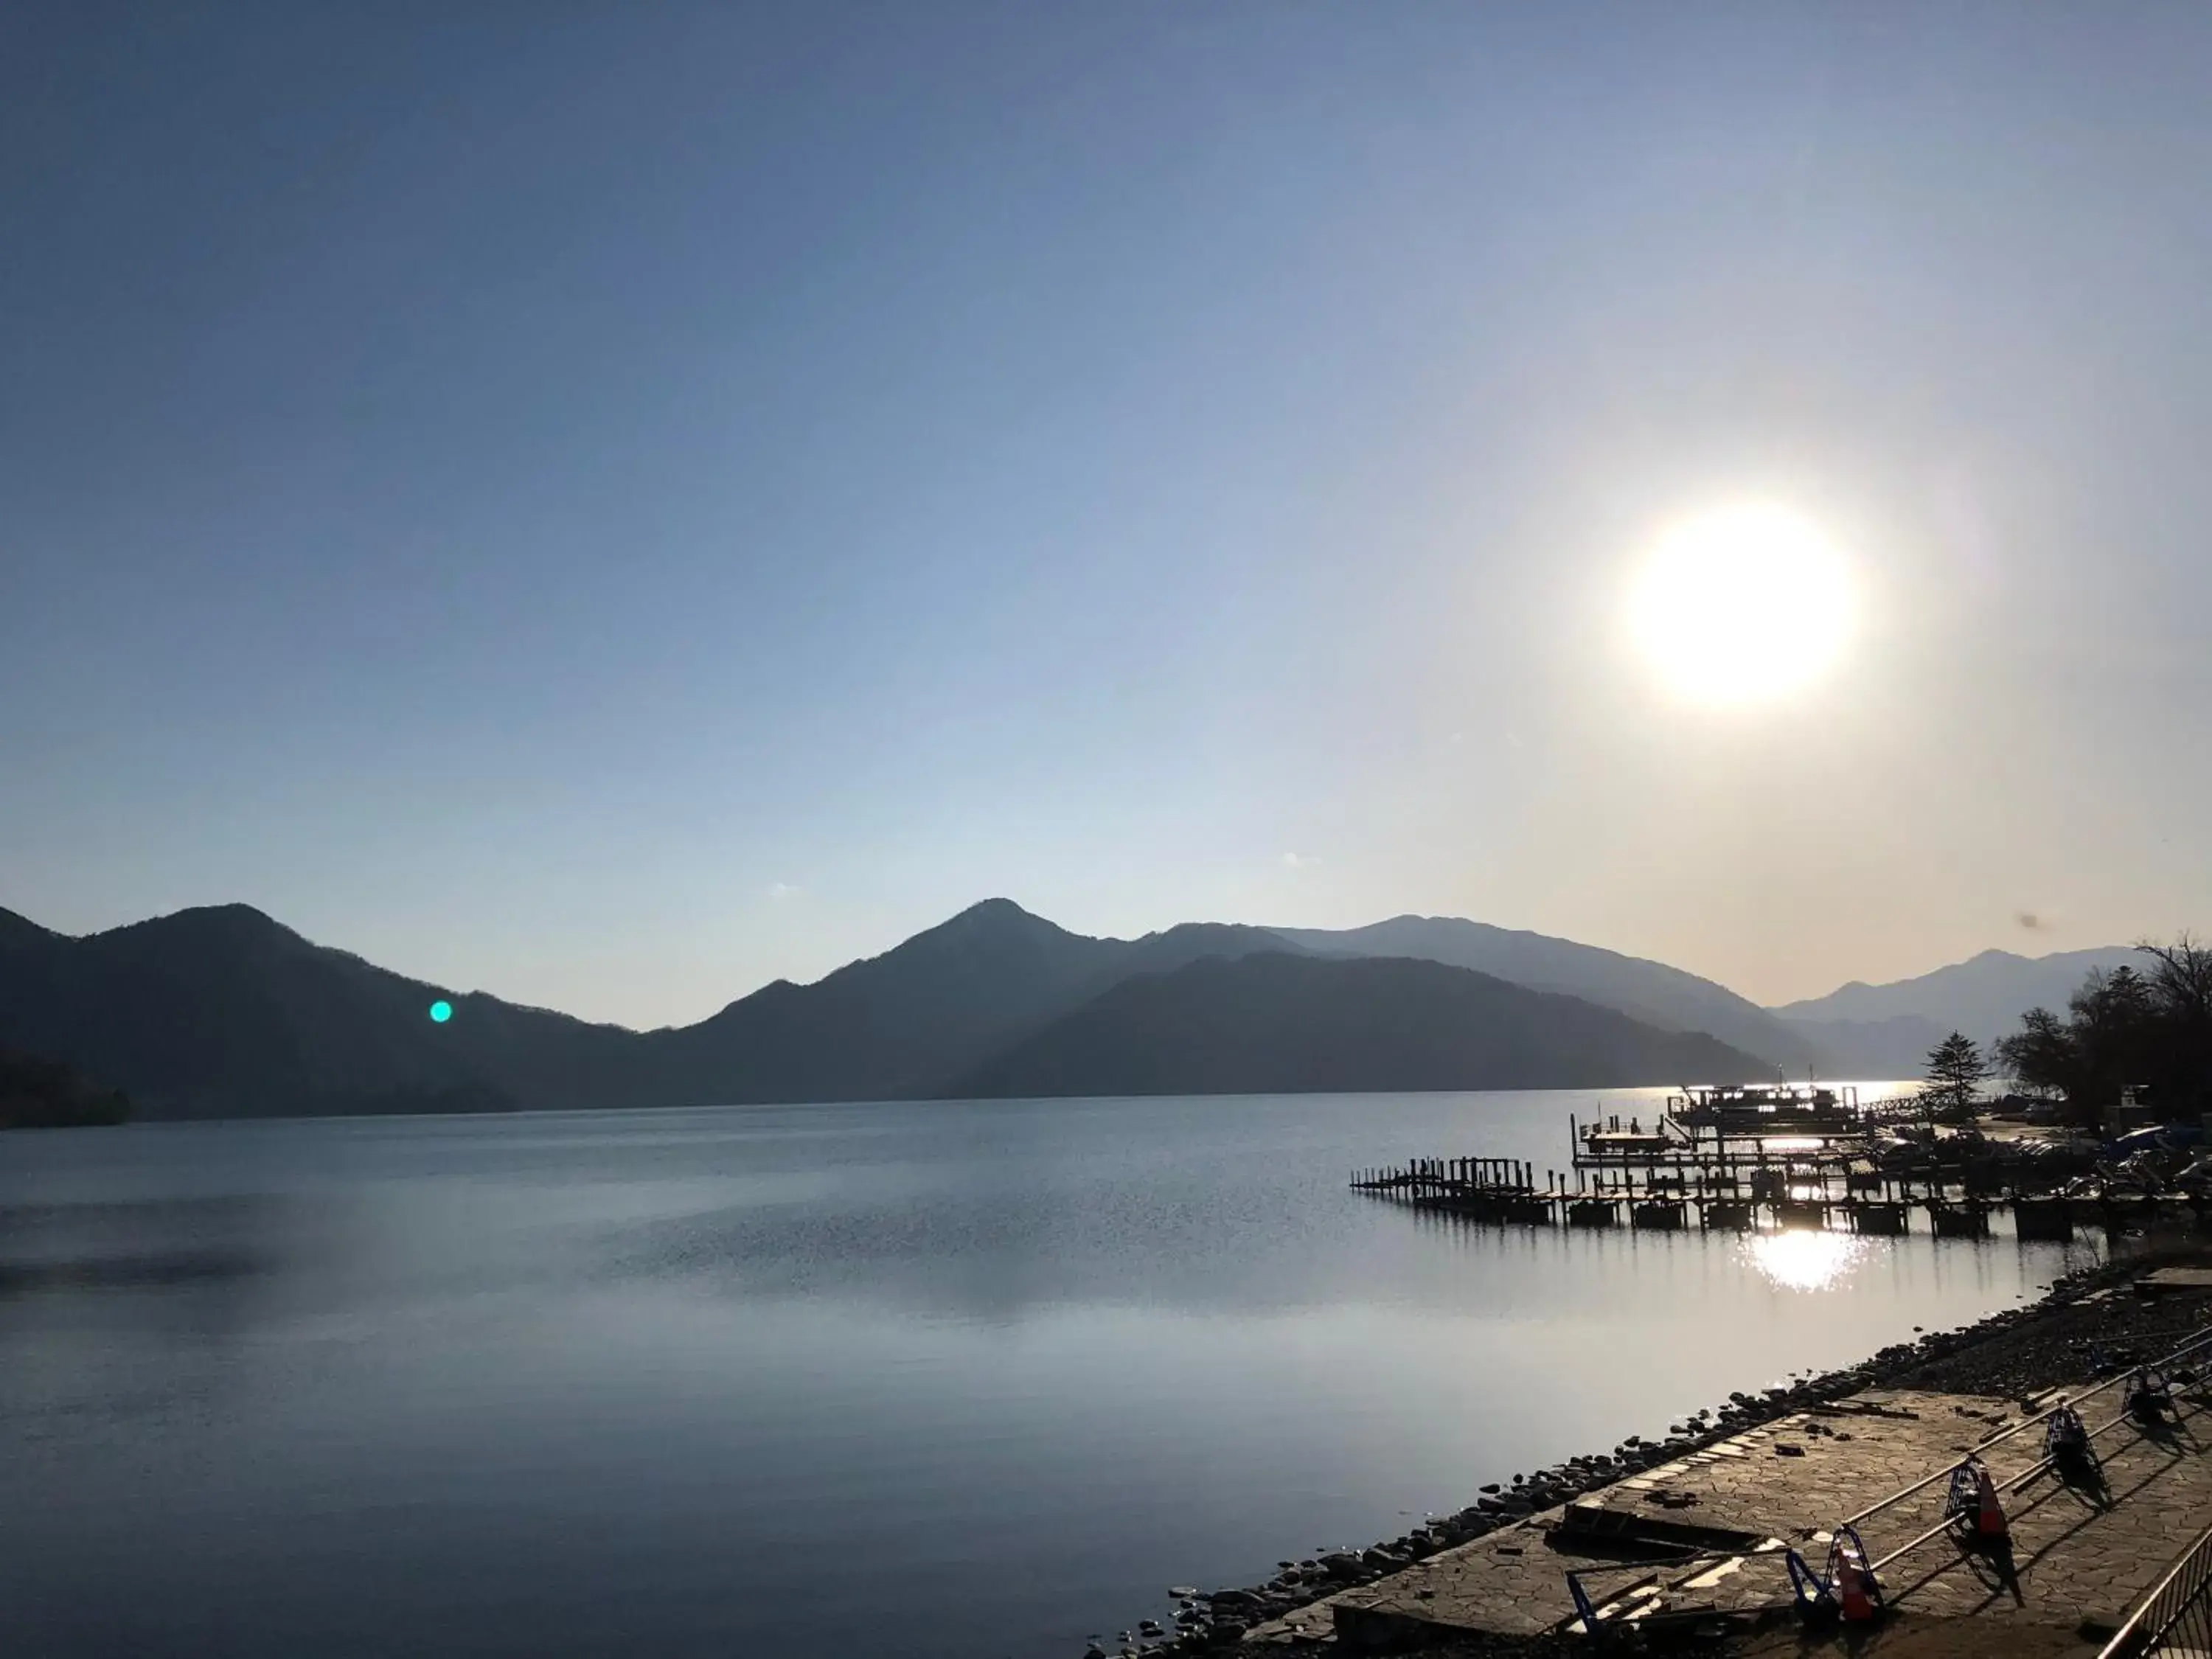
<point x="2014" y="1352"/>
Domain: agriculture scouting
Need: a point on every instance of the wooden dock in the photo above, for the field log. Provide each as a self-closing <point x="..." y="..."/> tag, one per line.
<point x="1730" y="1160"/>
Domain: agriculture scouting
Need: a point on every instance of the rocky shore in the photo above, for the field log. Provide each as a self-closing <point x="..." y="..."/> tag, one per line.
<point x="2088" y="1323"/>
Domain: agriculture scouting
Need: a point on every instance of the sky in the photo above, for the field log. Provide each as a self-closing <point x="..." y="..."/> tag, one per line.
<point x="616" y="504"/>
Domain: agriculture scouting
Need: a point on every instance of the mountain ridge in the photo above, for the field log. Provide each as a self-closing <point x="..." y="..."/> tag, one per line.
<point x="1653" y="992"/>
<point x="222" y="1010"/>
<point x="1277" y="1024"/>
<point x="1887" y="1029"/>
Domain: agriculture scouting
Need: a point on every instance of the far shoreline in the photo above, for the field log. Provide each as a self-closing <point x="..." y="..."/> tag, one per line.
<point x="141" y="1119"/>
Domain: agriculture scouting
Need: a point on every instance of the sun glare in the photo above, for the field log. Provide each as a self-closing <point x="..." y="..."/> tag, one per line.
<point x="1805" y="1260"/>
<point x="1742" y="605"/>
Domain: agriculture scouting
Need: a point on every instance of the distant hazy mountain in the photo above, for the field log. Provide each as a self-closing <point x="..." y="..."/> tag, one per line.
<point x="1895" y="1048"/>
<point x="1271" y="1023"/>
<point x="1648" y="991"/>
<point x="1886" y="1030"/>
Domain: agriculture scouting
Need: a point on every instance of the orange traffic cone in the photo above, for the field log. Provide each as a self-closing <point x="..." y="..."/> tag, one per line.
<point x="1851" y="1591"/>
<point x="1989" y="1526"/>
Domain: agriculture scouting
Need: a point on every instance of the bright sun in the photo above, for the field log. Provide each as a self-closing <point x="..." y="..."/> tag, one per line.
<point x="1743" y="604"/>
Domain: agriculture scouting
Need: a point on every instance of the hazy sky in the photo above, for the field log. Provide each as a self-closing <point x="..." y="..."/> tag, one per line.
<point x="614" y="504"/>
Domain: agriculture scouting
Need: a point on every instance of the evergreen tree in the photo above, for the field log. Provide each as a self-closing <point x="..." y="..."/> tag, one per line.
<point x="1956" y="1070"/>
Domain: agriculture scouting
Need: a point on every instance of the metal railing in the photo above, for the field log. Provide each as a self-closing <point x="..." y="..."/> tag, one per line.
<point x="2202" y="1339"/>
<point x="2175" y="1617"/>
<point x="2015" y="1484"/>
<point x="2183" y="1599"/>
<point x="2197" y="1344"/>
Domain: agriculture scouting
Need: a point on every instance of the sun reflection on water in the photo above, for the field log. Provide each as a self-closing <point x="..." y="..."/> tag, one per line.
<point x="1806" y="1260"/>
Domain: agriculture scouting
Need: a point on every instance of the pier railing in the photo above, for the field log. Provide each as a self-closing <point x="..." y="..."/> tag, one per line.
<point x="2175" y="1617"/>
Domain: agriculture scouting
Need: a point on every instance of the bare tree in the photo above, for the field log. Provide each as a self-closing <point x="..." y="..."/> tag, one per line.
<point x="2127" y="1029"/>
<point x="2181" y="980"/>
<point x="2181" y="996"/>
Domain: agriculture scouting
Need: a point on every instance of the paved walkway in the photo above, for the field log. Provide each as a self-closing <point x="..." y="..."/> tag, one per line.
<point x="1743" y="1500"/>
<point x="2075" y="1556"/>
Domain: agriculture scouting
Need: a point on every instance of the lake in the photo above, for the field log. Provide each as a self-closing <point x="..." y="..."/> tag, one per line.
<point x="973" y="1379"/>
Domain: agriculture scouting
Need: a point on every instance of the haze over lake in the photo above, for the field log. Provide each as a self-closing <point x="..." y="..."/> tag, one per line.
<point x="938" y="1379"/>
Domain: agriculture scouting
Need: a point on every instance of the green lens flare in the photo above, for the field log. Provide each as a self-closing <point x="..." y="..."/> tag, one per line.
<point x="441" y="1010"/>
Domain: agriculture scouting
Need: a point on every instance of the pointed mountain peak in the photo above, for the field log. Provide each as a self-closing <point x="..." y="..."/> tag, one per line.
<point x="990" y="918"/>
<point x="994" y="909"/>
<point x="992" y="926"/>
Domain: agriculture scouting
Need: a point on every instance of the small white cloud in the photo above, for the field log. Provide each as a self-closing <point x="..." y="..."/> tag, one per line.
<point x="780" y="891"/>
<point x="1300" y="860"/>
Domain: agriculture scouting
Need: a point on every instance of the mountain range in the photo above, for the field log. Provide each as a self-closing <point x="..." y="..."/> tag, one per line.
<point x="222" y="1010"/>
<point x="1886" y="1030"/>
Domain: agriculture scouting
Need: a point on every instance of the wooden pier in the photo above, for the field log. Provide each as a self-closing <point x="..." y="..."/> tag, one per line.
<point x="1738" y="1159"/>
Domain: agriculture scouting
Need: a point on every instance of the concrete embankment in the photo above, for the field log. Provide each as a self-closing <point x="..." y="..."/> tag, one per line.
<point x="1699" y="1521"/>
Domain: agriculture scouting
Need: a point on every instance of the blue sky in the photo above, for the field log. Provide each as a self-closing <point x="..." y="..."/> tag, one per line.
<point x="613" y="505"/>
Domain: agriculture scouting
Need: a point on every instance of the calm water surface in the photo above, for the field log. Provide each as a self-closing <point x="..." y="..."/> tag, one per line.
<point x="957" y="1379"/>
